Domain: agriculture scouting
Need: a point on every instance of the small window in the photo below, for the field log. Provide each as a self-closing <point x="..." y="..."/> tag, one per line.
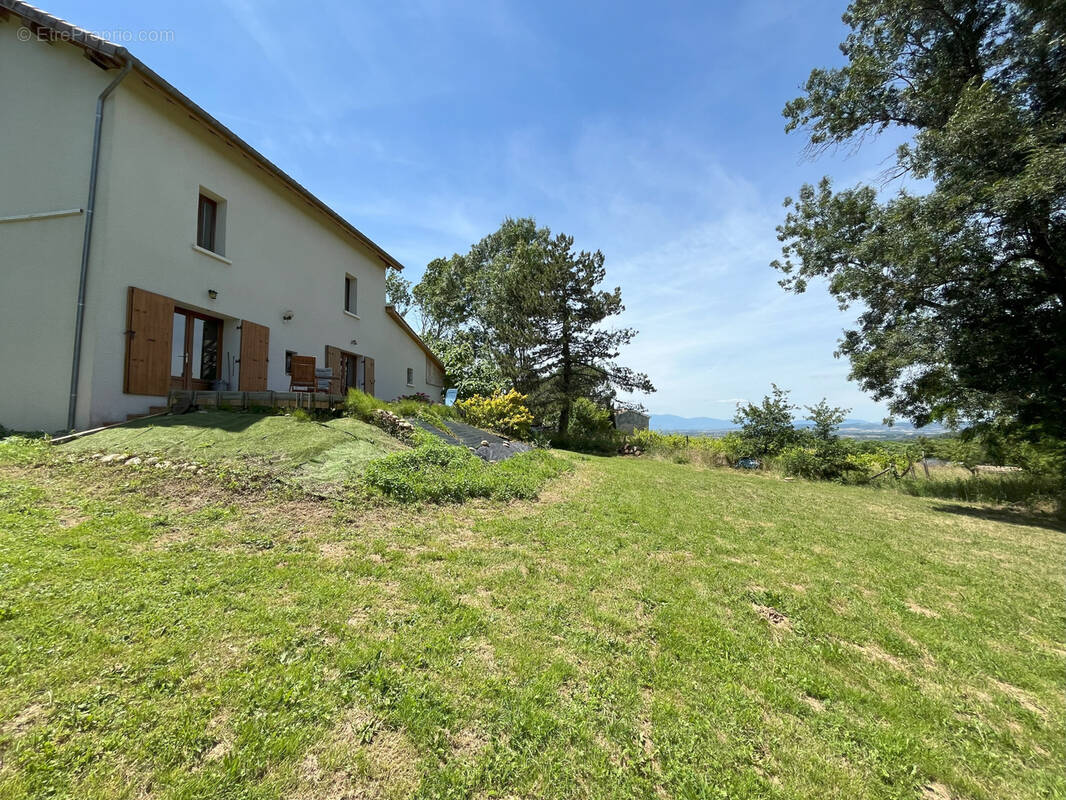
<point x="207" y="225"/>
<point x="288" y="361"/>
<point x="351" y="291"/>
<point x="410" y="376"/>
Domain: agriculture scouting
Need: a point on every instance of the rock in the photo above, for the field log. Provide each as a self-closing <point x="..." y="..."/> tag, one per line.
<point x="151" y="461"/>
<point x="111" y="458"/>
<point x="133" y="462"/>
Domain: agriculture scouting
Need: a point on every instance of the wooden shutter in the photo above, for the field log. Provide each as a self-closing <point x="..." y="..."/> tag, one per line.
<point x="335" y="361"/>
<point x="434" y="374"/>
<point x="149" y="329"/>
<point x="255" y="349"/>
<point x="368" y="374"/>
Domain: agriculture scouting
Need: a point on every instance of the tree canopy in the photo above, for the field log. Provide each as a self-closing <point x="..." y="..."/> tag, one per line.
<point x="524" y="305"/>
<point x="961" y="288"/>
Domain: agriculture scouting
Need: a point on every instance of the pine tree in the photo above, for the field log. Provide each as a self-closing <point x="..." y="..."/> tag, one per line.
<point x="574" y="355"/>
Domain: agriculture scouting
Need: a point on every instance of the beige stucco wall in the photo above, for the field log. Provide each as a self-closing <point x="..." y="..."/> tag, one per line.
<point x="47" y="105"/>
<point x="286" y="255"/>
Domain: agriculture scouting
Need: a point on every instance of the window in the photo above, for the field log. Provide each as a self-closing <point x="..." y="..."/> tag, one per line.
<point x="351" y="291"/>
<point x="288" y="361"/>
<point x="410" y="376"/>
<point x="207" y="224"/>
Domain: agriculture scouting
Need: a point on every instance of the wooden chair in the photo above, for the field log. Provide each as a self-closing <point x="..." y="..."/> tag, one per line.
<point x="302" y="374"/>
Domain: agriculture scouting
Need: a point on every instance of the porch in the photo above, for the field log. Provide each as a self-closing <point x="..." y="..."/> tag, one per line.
<point x="179" y="399"/>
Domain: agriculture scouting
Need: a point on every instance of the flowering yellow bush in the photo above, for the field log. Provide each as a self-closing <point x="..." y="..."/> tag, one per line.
<point x="505" y="412"/>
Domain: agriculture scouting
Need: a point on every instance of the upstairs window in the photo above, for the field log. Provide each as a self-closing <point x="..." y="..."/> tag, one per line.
<point x="351" y="292"/>
<point x="207" y="224"/>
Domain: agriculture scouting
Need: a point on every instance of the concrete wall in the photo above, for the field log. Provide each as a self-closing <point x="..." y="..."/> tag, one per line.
<point x="47" y="104"/>
<point x="285" y="256"/>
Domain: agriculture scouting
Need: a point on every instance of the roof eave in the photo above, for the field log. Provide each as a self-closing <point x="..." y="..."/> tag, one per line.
<point x="111" y="56"/>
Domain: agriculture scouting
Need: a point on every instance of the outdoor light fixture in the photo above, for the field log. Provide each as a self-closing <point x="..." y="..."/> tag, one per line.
<point x="213" y="294"/>
<point x="354" y="342"/>
<point x="286" y="316"/>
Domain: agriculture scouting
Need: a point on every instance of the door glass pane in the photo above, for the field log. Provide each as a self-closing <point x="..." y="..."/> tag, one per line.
<point x="209" y="351"/>
<point x="177" y="346"/>
<point x="197" y="346"/>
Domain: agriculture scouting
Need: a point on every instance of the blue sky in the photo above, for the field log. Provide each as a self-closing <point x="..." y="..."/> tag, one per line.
<point x="651" y="132"/>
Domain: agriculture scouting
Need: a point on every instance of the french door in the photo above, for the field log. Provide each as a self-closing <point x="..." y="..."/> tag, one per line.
<point x="196" y="345"/>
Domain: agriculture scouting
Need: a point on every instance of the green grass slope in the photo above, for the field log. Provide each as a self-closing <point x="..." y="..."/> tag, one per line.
<point x="314" y="452"/>
<point x="644" y="630"/>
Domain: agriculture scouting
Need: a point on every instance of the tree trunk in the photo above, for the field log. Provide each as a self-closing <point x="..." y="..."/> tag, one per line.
<point x="567" y="370"/>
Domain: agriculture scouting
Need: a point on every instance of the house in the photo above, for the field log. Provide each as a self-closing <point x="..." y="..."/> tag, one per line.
<point x="628" y="420"/>
<point x="145" y="247"/>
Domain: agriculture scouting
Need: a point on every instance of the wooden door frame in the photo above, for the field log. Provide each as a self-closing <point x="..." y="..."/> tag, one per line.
<point x="340" y="378"/>
<point x="185" y="380"/>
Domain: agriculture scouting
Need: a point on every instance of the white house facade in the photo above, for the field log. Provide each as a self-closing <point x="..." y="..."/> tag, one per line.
<point x="196" y="262"/>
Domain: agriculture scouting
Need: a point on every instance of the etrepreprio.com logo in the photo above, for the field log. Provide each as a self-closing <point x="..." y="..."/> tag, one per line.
<point x="115" y="36"/>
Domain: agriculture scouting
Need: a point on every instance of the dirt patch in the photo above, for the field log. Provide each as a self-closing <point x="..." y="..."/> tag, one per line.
<point x="875" y="652"/>
<point x="30" y="716"/>
<point x="469" y="742"/>
<point x="936" y="791"/>
<point x="914" y="608"/>
<point x="224" y="744"/>
<point x="333" y="551"/>
<point x="1020" y="696"/>
<point x="359" y="617"/>
<point x="359" y="759"/>
<point x="72" y="519"/>
<point x="647" y="742"/>
<point x="485" y="655"/>
<point x="773" y="616"/>
<point x="813" y="702"/>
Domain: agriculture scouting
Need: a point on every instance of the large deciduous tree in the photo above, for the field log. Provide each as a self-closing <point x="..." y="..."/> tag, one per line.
<point x="961" y="288"/>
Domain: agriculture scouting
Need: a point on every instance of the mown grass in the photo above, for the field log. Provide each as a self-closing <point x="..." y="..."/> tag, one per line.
<point x="646" y="629"/>
<point x="310" y="451"/>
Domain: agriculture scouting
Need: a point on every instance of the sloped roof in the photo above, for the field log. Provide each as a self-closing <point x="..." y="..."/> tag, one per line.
<point x="398" y="317"/>
<point x="109" y="55"/>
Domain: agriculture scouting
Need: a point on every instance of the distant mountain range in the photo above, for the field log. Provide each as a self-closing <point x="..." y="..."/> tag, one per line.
<point x="859" y="428"/>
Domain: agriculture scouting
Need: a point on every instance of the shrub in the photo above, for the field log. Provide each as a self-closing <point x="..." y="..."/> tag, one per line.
<point x="361" y="405"/>
<point x="588" y="420"/>
<point x="418" y="397"/>
<point x="767" y="427"/>
<point x="505" y="412"/>
<point x="708" y="451"/>
<point x="438" y="472"/>
<point x="824" y="460"/>
<point x="302" y="415"/>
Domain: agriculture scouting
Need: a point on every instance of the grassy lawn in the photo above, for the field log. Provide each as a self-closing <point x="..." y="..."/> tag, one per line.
<point x="309" y="452"/>
<point x="645" y="629"/>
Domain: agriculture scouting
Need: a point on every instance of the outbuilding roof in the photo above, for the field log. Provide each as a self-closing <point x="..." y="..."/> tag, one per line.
<point x="398" y="317"/>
